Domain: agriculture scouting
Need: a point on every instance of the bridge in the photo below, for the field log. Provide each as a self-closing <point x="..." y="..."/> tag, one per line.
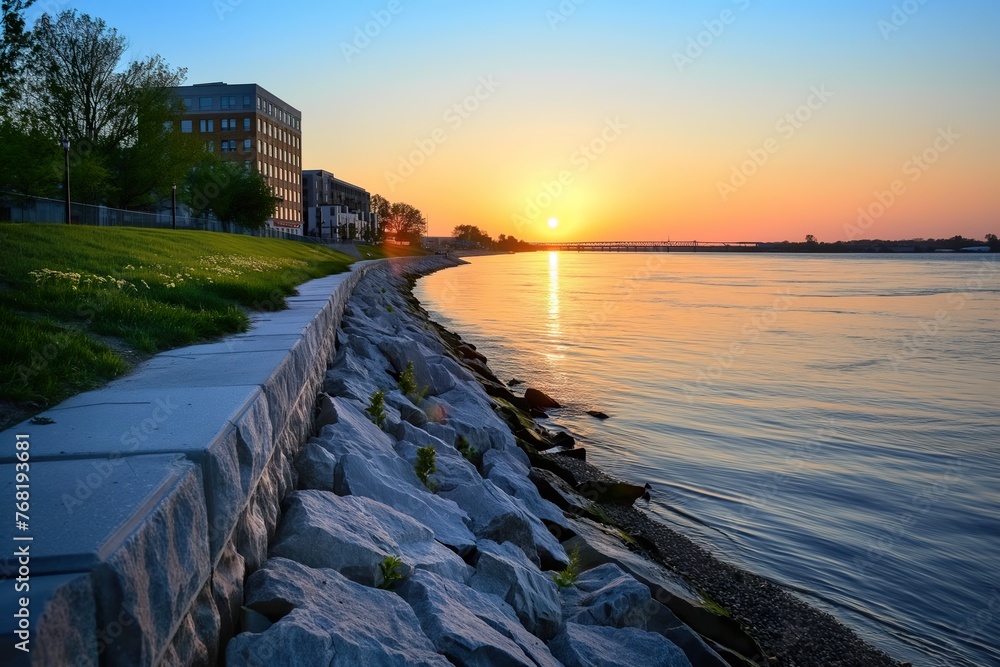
<point x="654" y="246"/>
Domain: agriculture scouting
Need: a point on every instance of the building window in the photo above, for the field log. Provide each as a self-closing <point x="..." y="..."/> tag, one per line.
<point x="246" y="124"/>
<point x="187" y="126"/>
<point x="246" y="146"/>
<point x="246" y="102"/>
<point x="225" y="124"/>
<point x="228" y="102"/>
<point x="187" y="102"/>
<point x="206" y="125"/>
<point x="205" y="103"/>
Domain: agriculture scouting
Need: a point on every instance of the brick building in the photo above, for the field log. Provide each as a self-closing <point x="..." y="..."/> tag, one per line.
<point x="245" y="123"/>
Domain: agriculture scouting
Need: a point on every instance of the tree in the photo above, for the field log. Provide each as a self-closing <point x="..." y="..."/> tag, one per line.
<point x="13" y="39"/>
<point x="74" y="84"/>
<point x="993" y="242"/>
<point x="231" y="193"/>
<point x="810" y="239"/>
<point x="401" y="220"/>
<point x="472" y="235"/>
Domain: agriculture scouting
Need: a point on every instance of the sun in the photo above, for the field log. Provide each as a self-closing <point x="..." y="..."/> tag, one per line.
<point x="553" y="223"/>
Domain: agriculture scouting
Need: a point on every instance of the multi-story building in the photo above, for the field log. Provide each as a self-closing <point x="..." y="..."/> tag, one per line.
<point x="322" y="192"/>
<point x="247" y="124"/>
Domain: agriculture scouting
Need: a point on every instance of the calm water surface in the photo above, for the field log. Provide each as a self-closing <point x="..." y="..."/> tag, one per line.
<point x="829" y="422"/>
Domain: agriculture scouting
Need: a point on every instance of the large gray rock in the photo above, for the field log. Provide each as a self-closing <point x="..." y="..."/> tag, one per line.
<point x="510" y="474"/>
<point x="598" y="544"/>
<point x="401" y="352"/>
<point x="472" y="628"/>
<point x="316" y="467"/>
<point x="354" y="535"/>
<point x="493" y="515"/>
<point x="452" y="468"/>
<point x="596" y="646"/>
<point x="608" y="596"/>
<point x="388" y="482"/>
<point x="322" y="618"/>
<point x="503" y="570"/>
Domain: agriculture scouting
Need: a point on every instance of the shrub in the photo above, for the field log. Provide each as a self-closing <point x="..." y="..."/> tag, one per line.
<point x="426" y="466"/>
<point x="408" y="384"/>
<point x="376" y="407"/>
<point x="466" y="449"/>
<point x="389" y="568"/>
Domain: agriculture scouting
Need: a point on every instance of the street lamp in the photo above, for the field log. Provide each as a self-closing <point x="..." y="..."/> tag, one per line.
<point x="173" y="206"/>
<point x="65" y="143"/>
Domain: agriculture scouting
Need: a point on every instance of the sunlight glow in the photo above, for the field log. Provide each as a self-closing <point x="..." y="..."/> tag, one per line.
<point x="553" y="223"/>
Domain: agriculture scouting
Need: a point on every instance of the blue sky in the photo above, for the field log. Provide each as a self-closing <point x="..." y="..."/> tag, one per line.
<point x="563" y="73"/>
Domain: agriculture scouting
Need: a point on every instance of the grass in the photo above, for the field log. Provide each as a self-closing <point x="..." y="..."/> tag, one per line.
<point x="77" y="303"/>
<point x="568" y="576"/>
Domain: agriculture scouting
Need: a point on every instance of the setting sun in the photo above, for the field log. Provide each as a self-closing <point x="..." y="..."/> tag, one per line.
<point x="553" y="223"/>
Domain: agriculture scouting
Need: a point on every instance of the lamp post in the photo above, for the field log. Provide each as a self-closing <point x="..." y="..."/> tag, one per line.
<point x="173" y="206"/>
<point x="65" y="143"/>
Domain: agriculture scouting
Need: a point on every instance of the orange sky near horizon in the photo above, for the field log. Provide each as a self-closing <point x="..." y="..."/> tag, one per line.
<point x="716" y="120"/>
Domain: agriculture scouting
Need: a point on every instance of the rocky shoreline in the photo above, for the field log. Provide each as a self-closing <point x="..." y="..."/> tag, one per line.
<point x="436" y="523"/>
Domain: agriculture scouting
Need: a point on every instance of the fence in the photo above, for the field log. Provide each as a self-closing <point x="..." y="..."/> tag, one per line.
<point x="19" y="208"/>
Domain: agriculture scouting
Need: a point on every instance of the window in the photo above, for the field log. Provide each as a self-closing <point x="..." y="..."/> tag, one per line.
<point x="246" y="124"/>
<point x="187" y="126"/>
<point x="246" y="146"/>
<point x="205" y="103"/>
<point x="229" y="146"/>
<point x="187" y="102"/>
<point x="206" y="125"/>
<point x="228" y="102"/>
<point x="246" y="104"/>
<point x="225" y="124"/>
<point x="258" y="125"/>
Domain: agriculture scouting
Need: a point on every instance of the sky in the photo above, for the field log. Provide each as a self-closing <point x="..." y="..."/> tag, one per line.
<point x="719" y="120"/>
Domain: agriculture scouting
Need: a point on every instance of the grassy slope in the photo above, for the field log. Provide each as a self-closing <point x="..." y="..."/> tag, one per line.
<point x="66" y="291"/>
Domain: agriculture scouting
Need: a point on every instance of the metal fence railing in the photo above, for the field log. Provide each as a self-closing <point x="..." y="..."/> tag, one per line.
<point x="20" y="208"/>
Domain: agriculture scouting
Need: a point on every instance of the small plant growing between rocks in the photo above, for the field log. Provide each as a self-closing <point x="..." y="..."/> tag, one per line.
<point x="390" y="308"/>
<point x="383" y="290"/>
<point x="568" y="576"/>
<point x="390" y="571"/>
<point x="426" y="465"/>
<point x="408" y="384"/>
<point x="376" y="407"/>
<point x="466" y="449"/>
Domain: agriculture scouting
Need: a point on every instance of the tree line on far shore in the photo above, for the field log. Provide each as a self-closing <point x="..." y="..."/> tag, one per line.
<point x="472" y="237"/>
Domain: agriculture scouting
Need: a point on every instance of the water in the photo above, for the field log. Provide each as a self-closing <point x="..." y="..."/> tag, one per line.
<point x="829" y="422"/>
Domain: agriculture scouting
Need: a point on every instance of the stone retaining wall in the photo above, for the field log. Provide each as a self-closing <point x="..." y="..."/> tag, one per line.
<point x="152" y="498"/>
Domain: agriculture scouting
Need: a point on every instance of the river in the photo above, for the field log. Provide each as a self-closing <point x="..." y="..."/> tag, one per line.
<point x="828" y="422"/>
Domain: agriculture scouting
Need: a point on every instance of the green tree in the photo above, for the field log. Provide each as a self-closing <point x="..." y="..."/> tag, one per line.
<point x="13" y="39"/>
<point x="74" y="83"/>
<point x="230" y="192"/>
<point x="30" y="163"/>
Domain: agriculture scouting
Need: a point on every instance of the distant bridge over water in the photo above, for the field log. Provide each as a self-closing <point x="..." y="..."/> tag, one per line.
<point x="655" y="246"/>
